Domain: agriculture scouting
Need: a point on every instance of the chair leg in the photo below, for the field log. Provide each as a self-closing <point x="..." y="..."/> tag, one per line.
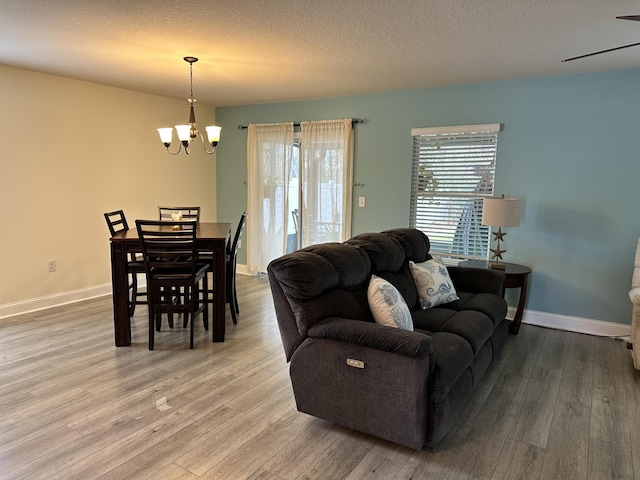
<point x="235" y="297"/>
<point x="229" y="286"/>
<point x="134" y="294"/>
<point x="158" y="316"/>
<point x="168" y="298"/>
<point x="233" y="312"/>
<point x="228" y="298"/>
<point x="205" y="301"/>
<point x="151" y="327"/>
<point x="193" y="301"/>
<point x="230" y="301"/>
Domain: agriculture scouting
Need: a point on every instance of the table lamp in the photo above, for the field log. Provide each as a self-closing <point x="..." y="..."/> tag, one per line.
<point x="500" y="212"/>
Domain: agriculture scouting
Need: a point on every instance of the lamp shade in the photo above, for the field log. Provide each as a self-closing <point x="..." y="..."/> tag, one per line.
<point x="213" y="134"/>
<point x="501" y="212"/>
<point x="183" y="132"/>
<point x="165" y="135"/>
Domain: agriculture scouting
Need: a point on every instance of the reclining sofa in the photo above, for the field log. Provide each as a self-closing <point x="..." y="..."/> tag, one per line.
<point x="406" y="386"/>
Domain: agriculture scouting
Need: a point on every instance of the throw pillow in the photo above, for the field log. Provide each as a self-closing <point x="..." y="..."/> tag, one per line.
<point x="433" y="283"/>
<point x="387" y="305"/>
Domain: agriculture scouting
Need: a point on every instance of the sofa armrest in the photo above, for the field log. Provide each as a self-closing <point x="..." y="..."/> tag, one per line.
<point x="477" y="280"/>
<point x="385" y="394"/>
<point x="372" y="335"/>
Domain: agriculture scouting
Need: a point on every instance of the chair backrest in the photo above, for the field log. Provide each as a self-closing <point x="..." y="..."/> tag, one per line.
<point x="169" y="250"/>
<point x="232" y="249"/>
<point x="116" y="221"/>
<point x="188" y="213"/>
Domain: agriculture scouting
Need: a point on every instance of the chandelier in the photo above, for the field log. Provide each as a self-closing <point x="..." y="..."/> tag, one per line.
<point x="187" y="133"/>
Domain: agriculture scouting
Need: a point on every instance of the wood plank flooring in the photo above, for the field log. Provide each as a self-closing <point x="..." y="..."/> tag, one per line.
<point x="73" y="406"/>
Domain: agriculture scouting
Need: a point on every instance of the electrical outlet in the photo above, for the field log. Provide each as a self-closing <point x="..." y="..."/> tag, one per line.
<point x="51" y="266"/>
<point x="361" y="202"/>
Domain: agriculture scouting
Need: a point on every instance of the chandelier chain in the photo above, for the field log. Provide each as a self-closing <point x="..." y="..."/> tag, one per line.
<point x="191" y="78"/>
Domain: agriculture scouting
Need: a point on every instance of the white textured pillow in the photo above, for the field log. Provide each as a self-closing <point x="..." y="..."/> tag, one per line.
<point x="387" y="305"/>
<point x="433" y="283"/>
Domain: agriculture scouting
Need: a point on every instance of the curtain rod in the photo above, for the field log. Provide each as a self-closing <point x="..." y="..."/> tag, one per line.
<point x="354" y="121"/>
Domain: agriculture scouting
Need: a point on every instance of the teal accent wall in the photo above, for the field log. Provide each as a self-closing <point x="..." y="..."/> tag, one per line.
<point x="568" y="148"/>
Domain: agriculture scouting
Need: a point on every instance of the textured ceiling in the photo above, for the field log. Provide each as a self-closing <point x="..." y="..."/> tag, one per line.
<point x="263" y="51"/>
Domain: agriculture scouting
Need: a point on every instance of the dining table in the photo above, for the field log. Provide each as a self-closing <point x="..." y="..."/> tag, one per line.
<point x="211" y="238"/>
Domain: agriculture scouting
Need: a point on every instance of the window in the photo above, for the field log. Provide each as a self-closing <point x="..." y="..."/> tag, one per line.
<point x="453" y="170"/>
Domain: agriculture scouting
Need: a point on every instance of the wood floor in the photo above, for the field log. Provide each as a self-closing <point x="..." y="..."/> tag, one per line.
<point x="73" y="406"/>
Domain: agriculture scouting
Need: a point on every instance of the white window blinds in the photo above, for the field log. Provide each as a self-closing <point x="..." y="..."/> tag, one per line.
<point x="453" y="170"/>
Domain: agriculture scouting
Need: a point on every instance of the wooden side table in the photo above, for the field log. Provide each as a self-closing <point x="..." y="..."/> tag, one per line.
<point x="516" y="277"/>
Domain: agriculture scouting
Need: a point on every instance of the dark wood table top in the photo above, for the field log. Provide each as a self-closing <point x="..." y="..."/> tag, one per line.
<point x="204" y="230"/>
<point x="510" y="268"/>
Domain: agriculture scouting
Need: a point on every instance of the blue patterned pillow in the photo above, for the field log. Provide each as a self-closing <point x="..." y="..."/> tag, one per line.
<point x="433" y="283"/>
<point x="387" y="305"/>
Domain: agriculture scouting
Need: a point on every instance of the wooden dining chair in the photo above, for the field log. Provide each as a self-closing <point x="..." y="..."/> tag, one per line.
<point x="165" y="213"/>
<point x="188" y="213"/>
<point x="117" y="222"/>
<point x="230" y="271"/>
<point x="231" y="297"/>
<point x="172" y="265"/>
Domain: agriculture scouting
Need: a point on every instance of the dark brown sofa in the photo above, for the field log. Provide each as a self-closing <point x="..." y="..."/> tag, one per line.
<point x="408" y="387"/>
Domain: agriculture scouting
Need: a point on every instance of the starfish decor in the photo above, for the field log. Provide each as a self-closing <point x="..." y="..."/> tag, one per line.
<point x="497" y="253"/>
<point x="498" y="236"/>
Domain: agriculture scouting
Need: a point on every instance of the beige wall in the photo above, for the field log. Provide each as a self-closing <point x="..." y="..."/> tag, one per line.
<point x="70" y="151"/>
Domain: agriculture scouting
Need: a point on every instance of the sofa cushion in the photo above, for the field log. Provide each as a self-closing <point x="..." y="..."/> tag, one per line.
<point x="384" y="252"/>
<point x="433" y="319"/>
<point x="433" y="284"/>
<point x="405" y="284"/>
<point x="310" y="272"/>
<point x="321" y="281"/>
<point x="491" y="305"/>
<point x="473" y="327"/>
<point x="453" y="356"/>
<point x="387" y="305"/>
<point x="388" y="260"/>
<point x="414" y="243"/>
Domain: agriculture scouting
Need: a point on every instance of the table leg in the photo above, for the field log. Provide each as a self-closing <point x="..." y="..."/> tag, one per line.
<point x="120" y="289"/>
<point x="514" y="327"/>
<point x="219" y="294"/>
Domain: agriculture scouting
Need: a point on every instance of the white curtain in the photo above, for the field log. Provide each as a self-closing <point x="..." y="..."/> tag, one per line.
<point x="326" y="173"/>
<point x="269" y="151"/>
<point x="324" y="176"/>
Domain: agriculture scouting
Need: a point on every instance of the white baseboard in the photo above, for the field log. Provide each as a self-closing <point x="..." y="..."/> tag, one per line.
<point x="243" y="270"/>
<point x="573" y="324"/>
<point x="55" y="300"/>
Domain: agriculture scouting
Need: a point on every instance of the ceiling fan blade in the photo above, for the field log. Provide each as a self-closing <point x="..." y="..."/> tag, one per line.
<point x="629" y="17"/>
<point x="601" y="51"/>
